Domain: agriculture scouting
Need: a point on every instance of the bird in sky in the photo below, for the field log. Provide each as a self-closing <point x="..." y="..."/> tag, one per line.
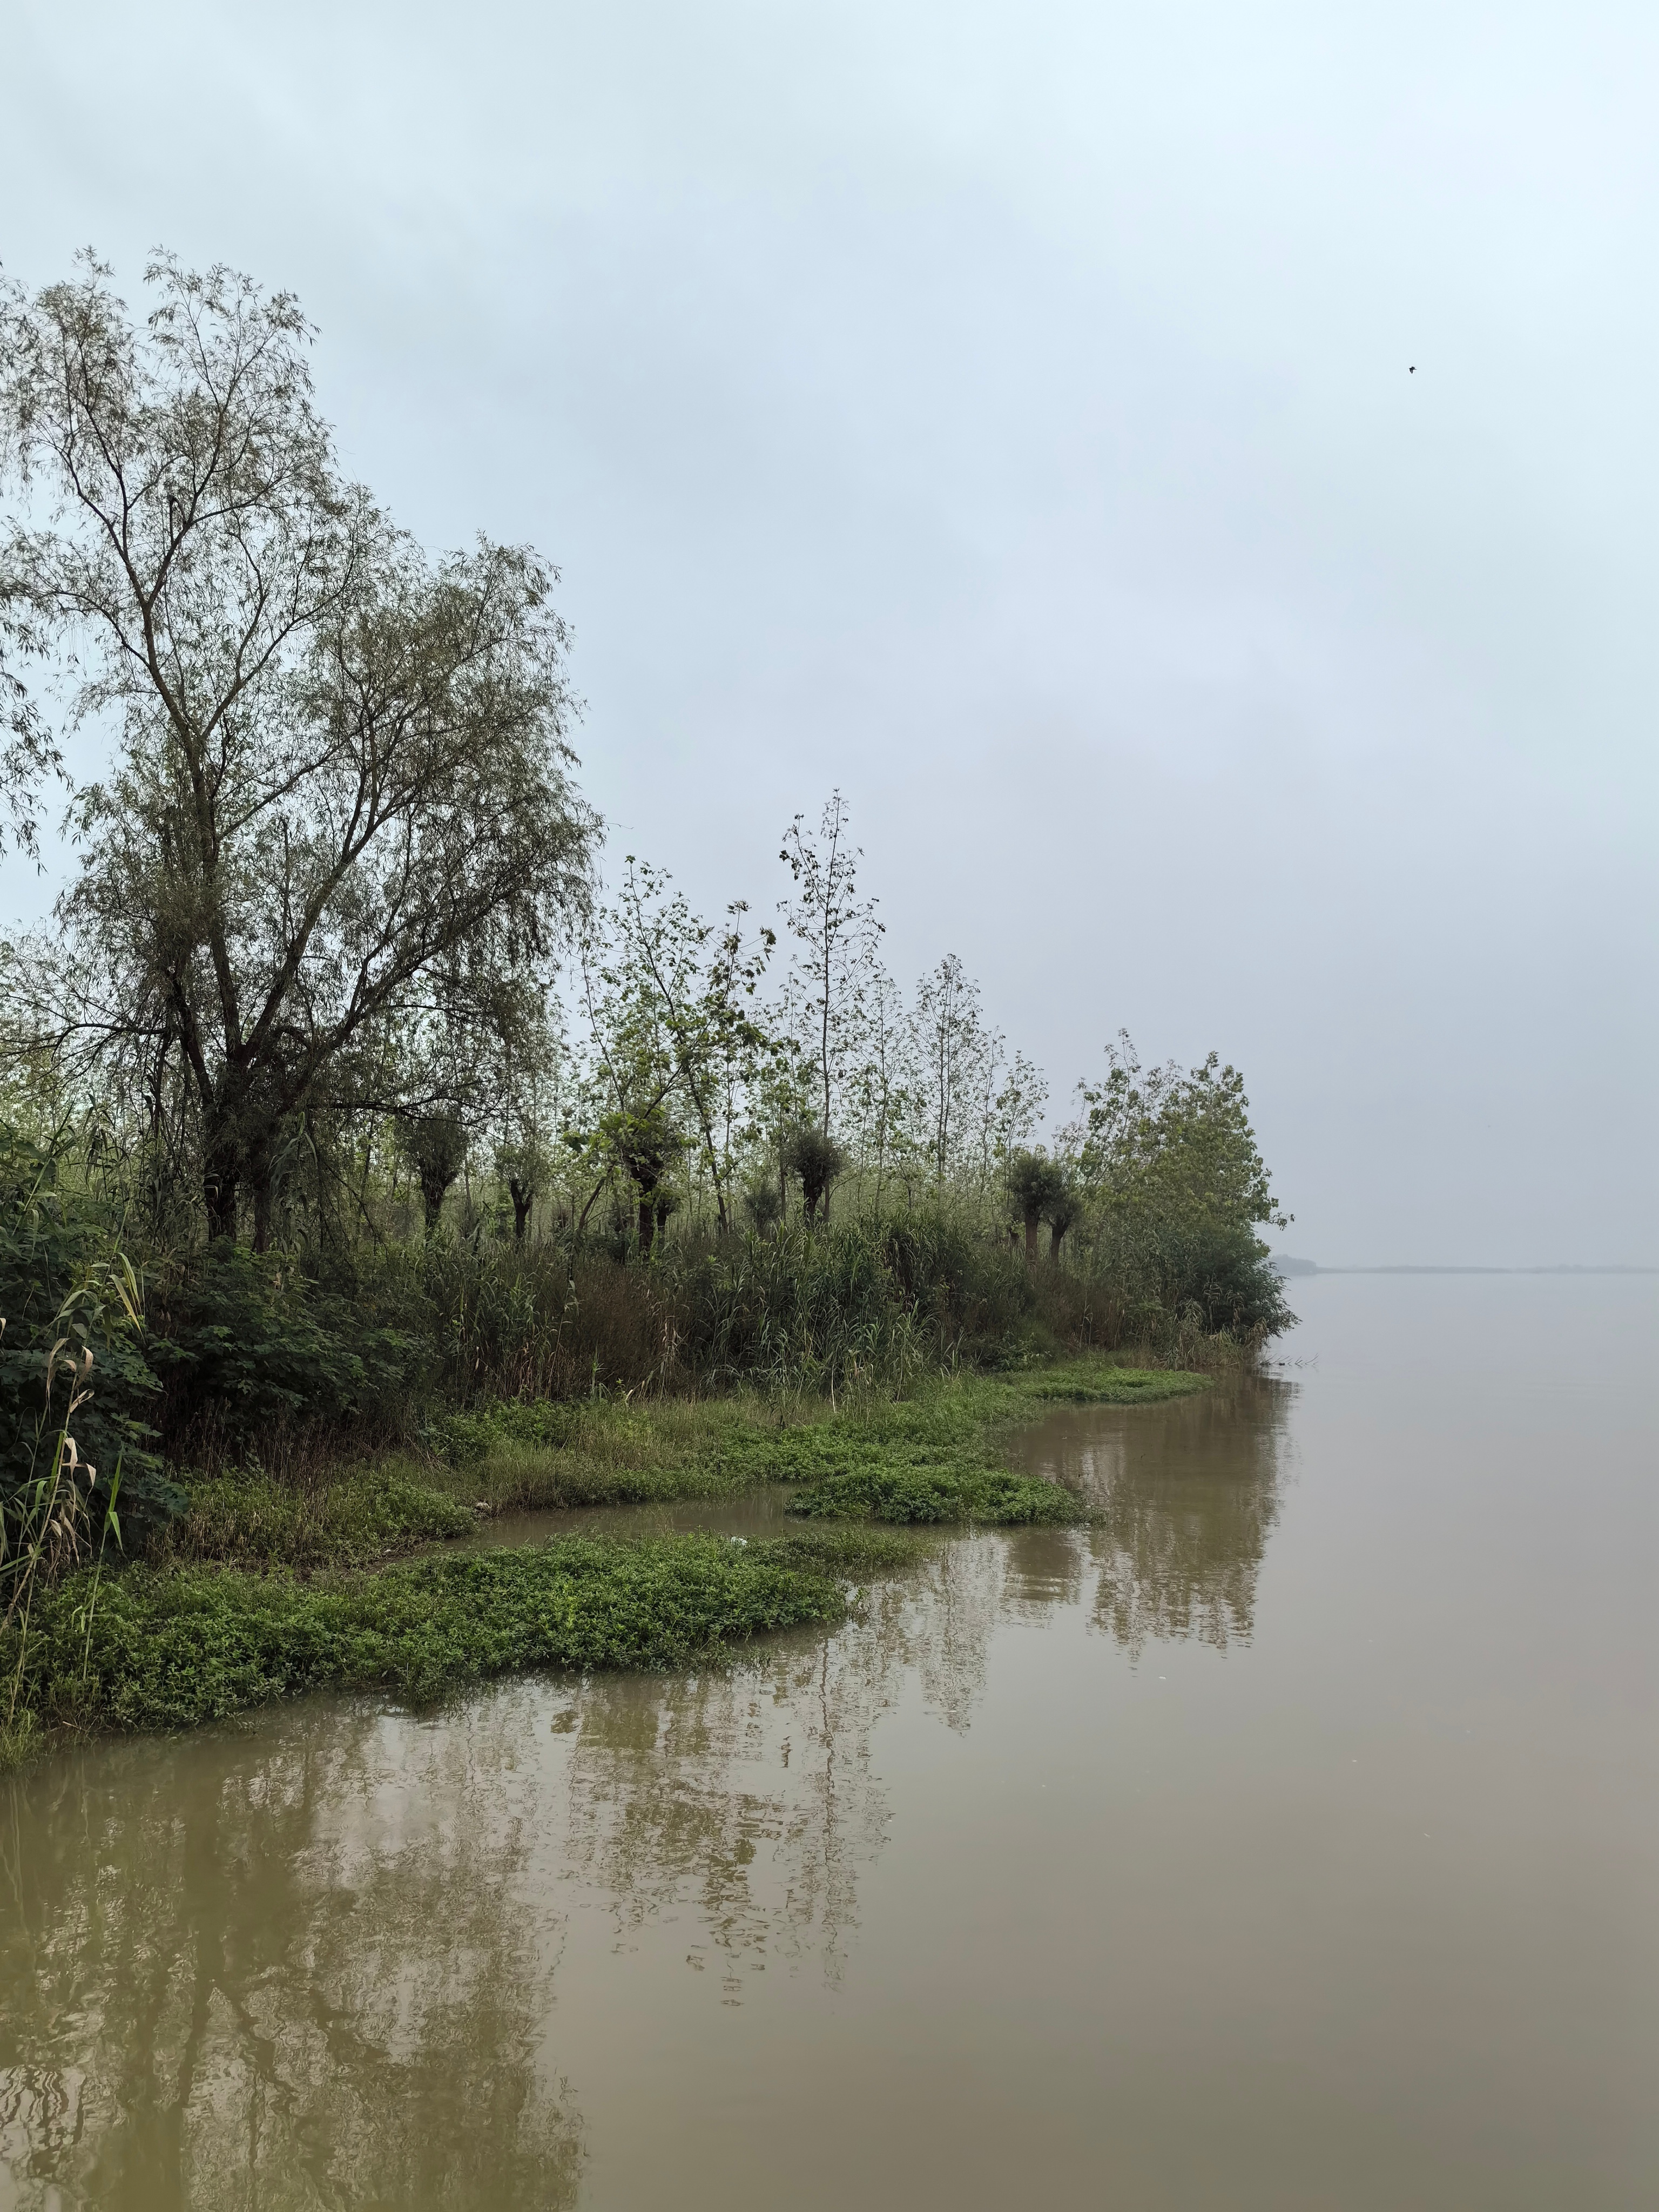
<point x="1412" y="371"/>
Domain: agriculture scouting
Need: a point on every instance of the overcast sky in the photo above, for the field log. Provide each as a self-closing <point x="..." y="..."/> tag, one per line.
<point x="1003" y="412"/>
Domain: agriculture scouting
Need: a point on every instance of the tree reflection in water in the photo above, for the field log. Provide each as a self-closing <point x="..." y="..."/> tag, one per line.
<point x="1185" y="1503"/>
<point x="275" y="1969"/>
<point x="311" y="1962"/>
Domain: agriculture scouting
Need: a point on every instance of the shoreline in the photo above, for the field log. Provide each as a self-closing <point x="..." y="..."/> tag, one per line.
<point x="267" y="1591"/>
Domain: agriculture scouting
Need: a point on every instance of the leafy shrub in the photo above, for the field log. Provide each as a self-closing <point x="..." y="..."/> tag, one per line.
<point x="246" y="1516"/>
<point x="937" y="1494"/>
<point x="69" y="1303"/>
<point x="1177" y="1276"/>
<point x="252" y="1351"/>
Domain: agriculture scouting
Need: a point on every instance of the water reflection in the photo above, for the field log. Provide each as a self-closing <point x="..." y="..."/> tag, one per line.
<point x="746" y="1798"/>
<point x="278" y="1969"/>
<point x="1186" y="1506"/>
<point x="312" y="1962"/>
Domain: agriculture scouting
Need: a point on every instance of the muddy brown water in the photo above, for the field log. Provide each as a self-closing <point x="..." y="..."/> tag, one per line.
<point x="1286" y="1840"/>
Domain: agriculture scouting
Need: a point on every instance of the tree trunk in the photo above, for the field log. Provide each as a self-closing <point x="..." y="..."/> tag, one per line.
<point x="1032" y="1224"/>
<point x="220" y="1191"/>
<point x="433" y="1191"/>
<point x="222" y="1180"/>
<point x="523" y="1199"/>
<point x="1056" y="1233"/>
<point x="647" y="1225"/>
<point x="262" y="1196"/>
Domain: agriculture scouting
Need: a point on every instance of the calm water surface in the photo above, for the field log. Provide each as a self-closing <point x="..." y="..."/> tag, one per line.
<point x="1285" y="1841"/>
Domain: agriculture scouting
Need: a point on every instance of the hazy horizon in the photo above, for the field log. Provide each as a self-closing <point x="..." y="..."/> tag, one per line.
<point x="1283" y="1253"/>
<point x="1009" y="417"/>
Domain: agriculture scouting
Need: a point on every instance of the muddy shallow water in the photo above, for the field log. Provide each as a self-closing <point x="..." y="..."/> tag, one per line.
<point x="1286" y="1840"/>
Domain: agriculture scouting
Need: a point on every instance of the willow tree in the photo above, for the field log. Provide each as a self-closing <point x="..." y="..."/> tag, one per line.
<point x="340" y="769"/>
<point x="27" y="754"/>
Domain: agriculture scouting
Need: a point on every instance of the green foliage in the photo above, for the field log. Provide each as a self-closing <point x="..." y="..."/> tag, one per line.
<point x="435" y="1144"/>
<point x="603" y="1451"/>
<point x="926" y="1494"/>
<point x="248" y="1517"/>
<point x="810" y="1311"/>
<point x="1181" y="1278"/>
<point x="1179" y="1185"/>
<point x="816" y="1160"/>
<point x="981" y="1306"/>
<point x="1037" y="1184"/>
<point x="858" y="1300"/>
<point x="1111" y="1386"/>
<point x="763" y="1204"/>
<point x="250" y="1346"/>
<point x="69" y="1301"/>
<point x="170" y="1649"/>
<point x="339" y="804"/>
<point x="1179" y="1146"/>
<point x="599" y="1452"/>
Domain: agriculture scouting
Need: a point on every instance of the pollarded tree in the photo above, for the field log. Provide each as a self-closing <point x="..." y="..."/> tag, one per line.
<point x="1037" y="1184"/>
<point x="816" y="1160"/>
<point x="764" y="1206"/>
<point x="1065" y="1210"/>
<point x="340" y="767"/>
<point x="648" y="1146"/>
<point x="435" y="1144"/>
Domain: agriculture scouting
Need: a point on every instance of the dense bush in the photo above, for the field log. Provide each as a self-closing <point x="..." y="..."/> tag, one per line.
<point x="795" y="1306"/>
<point x="1170" y="1276"/>
<point x="71" y="1338"/>
<point x="254" y="1351"/>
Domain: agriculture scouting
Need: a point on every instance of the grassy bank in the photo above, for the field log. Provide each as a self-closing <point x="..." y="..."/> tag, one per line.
<point x="169" y="1648"/>
<point x="266" y="1589"/>
<point x="932" y="1456"/>
<point x="606" y="1453"/>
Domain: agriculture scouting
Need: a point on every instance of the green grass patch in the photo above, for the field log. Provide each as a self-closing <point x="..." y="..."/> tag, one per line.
<point x="937" y="1447"/>
<point x="525" y="1456"/>
<point x="989" y="1495"/>
<point x="247" y="1518"/>
<point x="930" y="1457"/>
<point x="173" y="1647"/>
<point x="1082" y="1384"/>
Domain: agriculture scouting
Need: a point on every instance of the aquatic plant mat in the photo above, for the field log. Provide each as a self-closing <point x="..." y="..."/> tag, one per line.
<point x="169" y="1648"/>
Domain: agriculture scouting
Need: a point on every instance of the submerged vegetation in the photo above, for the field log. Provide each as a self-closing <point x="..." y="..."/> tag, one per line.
<point x="368" y="1164"/>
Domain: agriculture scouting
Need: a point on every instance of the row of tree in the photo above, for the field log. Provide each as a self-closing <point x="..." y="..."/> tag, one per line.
<point x="336" y="942"/>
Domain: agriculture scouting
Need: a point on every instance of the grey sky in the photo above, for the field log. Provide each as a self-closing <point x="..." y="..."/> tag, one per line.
<point x="1004" y="412"/>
